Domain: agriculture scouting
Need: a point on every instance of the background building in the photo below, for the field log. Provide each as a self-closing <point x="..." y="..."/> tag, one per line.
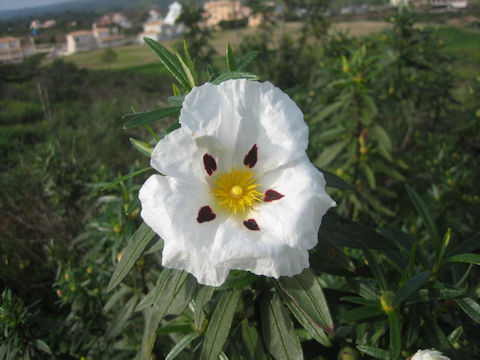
<point x="14" y="50"/>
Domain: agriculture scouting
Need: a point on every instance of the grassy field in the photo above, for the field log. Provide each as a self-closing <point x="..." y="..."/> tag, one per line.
<point x="140" y="58"/>
<point x="460" y="42"/>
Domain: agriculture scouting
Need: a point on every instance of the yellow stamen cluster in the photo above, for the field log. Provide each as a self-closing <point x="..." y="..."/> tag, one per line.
<point x="237" y="190"/>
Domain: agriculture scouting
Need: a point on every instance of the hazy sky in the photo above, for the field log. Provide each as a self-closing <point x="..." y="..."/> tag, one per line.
<point x="19" y="4"/>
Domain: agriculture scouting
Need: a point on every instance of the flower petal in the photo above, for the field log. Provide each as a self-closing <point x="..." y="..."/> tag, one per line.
<point x="237" y="114"/>
<point x="295" y="217"/>
<point x="188" y="243"/>
<point x="178" y="155"/>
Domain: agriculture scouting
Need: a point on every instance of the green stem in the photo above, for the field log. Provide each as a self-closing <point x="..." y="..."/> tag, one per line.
<point x="150" y="130"/>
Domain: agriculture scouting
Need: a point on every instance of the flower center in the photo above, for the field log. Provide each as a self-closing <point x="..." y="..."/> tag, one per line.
<point x="237" y="190"/>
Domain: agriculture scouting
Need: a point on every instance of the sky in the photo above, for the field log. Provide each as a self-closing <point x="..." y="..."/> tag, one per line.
<point x="20" y="4"/>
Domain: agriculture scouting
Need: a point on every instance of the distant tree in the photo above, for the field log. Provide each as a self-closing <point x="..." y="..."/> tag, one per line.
<point x="109" y="56"/>
<point x="197" y="35"/>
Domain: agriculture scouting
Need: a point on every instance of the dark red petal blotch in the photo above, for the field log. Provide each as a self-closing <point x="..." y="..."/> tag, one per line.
<point x="205" y="214"/>
<point x="272" y="195"/>
<point x="209" y="163"/>
<point x="251" y="224"/>
<point x="251" y="158"/>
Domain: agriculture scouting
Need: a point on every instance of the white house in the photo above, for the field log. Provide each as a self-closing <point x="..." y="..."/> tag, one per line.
<point x="162" y="29"/>
<point x="13" y="50"/>
<point x="98" y="37"/>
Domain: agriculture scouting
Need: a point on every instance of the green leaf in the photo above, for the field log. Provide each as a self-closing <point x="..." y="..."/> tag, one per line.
<point x="429" y="295"/>
<point x="246" y="59"/>
<point x="375" y="267"/>
<point x="201" y="299"/>
<point x="231" y="64"/>
<point x="252" y="343"/>
<point x="330" y="153"/>
<point x="278" y="332"/>
<point x="465" y="258"/>
<point x="121" y="318"/>
<point x="125" y="177"/>
<point x="142" y="146"/>
<point x="292" y="91"/>
<point x="469" y="245"/>
<point x="175" y="297"/>
<point x="212" y="72"/>
<point x="411" y="287"/>
<point x="142" y="118"/>
<point x="182" y="344"/>
<point x="186" y="69"/>
<point x="344" y="232"/>
<point x="176" y="100"/>
<point x="305" y="291"/>
<point x="470" y="307"/>
<point x="374" y="352"/>
<point x="335" y="181"/>
<point x="42" y="346"/>
<point x="382" y="137"/>
<point x="234" y="75"/>
<point x="171" y="329"/>
<point x="158" y="246"/>
<point x="331" y="134"/>
<point x="169" y="61"/>
<point x="426" y="217"/>
<point x="395" y="328"/>
<point x="116" y="297"/>
<point x="326" y="112"/>
<point x="219" y="326"/>
<point x="360" y="314"/>
<point x="154" y="294"/>
<point x="130" y="254"/>
<point x="369" y="175"/>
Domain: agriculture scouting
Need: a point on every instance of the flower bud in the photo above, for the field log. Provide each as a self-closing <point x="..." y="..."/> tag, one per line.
<point x="428" y="355"/>
<point x="386" y="301"/>
<point x="348" y="353"/>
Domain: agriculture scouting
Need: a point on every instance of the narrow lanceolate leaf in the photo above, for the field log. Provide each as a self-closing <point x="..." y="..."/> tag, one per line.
<point x="278" y="331"/>
<point x="142" y="118"/>
<point x="219" y="326"/>
<point x="234" y="75"/>
<point x="426" y="217"/>
<point x="246" y="59"/>
<point x="125" y="177"/>
<point x="326" y="112"/>
<point x="359" y="314"/>
<point x="142" y="146"/>
<point x="307" y="323"/>
<point x="467" y="246"/>
<point x="411" y="287"/>
<point x="203" y="296"/>
<point x="231" y="63"/>
<point x="374" y="352"/>
<point x="292" y="91"/>
<point x="395" y="326"/>
<point x="131" y="253"/>
<point x="335" y="181"/>
<point x="471" y="308"/>
<point x="174" y="298"/>
<point x="305" y="292"/>
<point x="427" y="295"/>
<point x="253" y="347"/>
<point x="182" y="344"/>
<point x="376" y="269"/>
<point x="155" y="293"/>
<point x="42" y="346"/>
<point x="169" y="61"/>
<point x="330" y="153"/>
<point x="465" y="258"/>
<point x="190" y="76"/>
<point x="120" y="321"/>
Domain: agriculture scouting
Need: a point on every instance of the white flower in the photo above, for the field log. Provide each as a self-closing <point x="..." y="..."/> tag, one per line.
<point x="429" y="355"/>
<point x="239" y="191"/>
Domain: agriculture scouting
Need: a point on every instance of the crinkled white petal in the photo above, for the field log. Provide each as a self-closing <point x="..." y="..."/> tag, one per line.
<point x="429" y="355"/>
<point x="296" y="217"/>
<point x="237" y="114"/>
<point x="178" y="155"/>
<point x="170" y="207"/>
<point x="210" y="249"/>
